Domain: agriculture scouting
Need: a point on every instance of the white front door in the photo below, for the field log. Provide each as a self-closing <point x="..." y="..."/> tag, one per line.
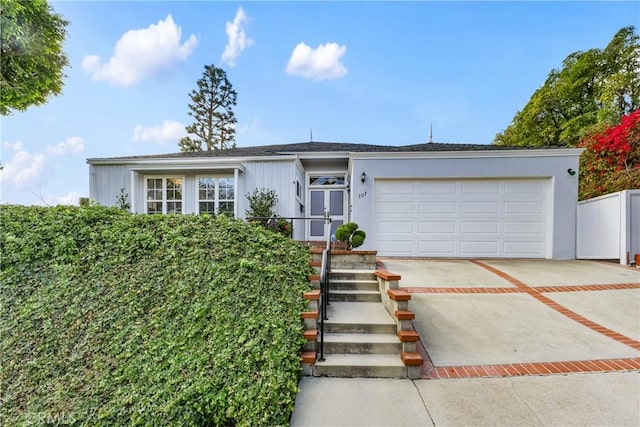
<point x="326" y="194"/>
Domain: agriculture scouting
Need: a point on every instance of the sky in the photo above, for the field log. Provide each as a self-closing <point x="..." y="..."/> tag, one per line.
<point x="365" y="72"/>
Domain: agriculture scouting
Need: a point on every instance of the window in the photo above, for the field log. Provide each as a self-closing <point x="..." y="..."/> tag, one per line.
<point x="326" y="180"/>
<point x="216" y="195"/>
<point x="164" y="195"/>
<point x="298" y="190"/>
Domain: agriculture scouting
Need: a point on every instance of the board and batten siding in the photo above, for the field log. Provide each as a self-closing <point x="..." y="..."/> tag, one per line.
<point x="553" y="168"/>
<point x="105" y="182"/>
<point x="271" y="175"/>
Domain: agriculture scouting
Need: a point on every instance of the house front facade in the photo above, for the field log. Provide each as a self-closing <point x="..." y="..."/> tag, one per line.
<point x="424" y="200"/>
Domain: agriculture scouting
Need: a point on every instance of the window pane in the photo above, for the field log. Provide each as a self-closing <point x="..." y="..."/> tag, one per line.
<point x="174" y="207"/>
<point x="154" y="189"/>
<point x="335" y="224"/>
<point x="336" y="202"/>
<point x="154" y="207"/>
<point x="205" y="183"/>
<point x="225" y="187"/>
<point x="317" y="228"/>
<point x="226" y="208"/>
<point x="207" y="207"/>
<point x="317" y="202"/>
<point x="327" y="180"/>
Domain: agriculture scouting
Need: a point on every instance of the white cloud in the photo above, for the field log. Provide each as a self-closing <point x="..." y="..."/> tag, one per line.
<point x="140" y="53"/>
<point x="238" y="40"/>
<point x="321" y="63"/>
<point x="71" y="198"/>
<point x="24" y="168"/>
<point x="71" y="145"/>
<point x="168" y="131"/>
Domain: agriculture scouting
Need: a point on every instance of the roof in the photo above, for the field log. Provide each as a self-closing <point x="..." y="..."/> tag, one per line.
<point x="324" y="147"/>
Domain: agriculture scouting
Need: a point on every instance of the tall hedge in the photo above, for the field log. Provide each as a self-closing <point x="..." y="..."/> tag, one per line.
<point x="110" y="318"/>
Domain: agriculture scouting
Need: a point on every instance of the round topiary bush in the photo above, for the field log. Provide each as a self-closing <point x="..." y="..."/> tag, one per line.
<point x="350" y="234"/>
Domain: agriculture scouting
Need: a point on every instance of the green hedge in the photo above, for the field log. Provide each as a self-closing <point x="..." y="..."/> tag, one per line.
<point x="110" y="318"/>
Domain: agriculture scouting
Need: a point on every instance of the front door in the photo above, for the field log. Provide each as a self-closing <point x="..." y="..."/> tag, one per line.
<point x="325" y="194"/>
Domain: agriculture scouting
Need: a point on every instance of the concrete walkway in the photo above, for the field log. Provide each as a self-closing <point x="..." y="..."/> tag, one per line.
<point x="506" y="342"/>
<point x="604" y="399"/>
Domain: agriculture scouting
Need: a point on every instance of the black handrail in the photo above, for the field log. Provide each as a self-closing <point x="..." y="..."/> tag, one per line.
<point x="325" y="269"/>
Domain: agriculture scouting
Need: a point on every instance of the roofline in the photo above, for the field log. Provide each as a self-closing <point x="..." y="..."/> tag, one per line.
<point x="201" y="161"/>
<point x="288" y="156"/>
<point x="538" y="152"/>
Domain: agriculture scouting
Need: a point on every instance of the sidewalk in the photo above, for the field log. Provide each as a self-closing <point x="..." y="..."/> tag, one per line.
<point x="598" y="399"/>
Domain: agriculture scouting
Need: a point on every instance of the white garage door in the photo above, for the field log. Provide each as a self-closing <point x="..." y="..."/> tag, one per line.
<point x="461" y="218"/>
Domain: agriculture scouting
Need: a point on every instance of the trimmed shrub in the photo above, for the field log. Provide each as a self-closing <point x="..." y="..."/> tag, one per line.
<point x="111" y="318"/>
<point x="350" y="234"/>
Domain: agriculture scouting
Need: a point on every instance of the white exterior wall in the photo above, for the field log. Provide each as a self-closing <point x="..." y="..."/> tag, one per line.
<point x="105" y="182"/>
<point x="271" y="175"/>
<point x="563" y="191"/>
<point x="609" y="227"/>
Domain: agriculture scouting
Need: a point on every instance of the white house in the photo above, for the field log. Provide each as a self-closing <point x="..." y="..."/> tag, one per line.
<point x="424" y="200"/>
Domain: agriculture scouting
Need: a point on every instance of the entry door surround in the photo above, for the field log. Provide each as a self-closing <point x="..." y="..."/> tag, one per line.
<point x="326" y="192"/>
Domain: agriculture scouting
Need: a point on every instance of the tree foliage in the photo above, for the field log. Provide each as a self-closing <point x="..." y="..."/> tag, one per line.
<point x="611" y="161"/>
<point x="114" y="319"/>
<point x="592" y="87"/>
<point x="212" y="110"/>
<point x="31" y="56"/>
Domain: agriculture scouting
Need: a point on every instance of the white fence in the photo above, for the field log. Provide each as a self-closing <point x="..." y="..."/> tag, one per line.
<point x="609" y="227"/>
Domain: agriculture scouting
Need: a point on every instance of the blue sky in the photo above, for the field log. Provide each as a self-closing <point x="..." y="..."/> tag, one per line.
<point x="368" y="72"/>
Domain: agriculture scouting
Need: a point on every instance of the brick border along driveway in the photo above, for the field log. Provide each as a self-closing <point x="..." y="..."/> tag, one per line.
<point x="429" y="371"/>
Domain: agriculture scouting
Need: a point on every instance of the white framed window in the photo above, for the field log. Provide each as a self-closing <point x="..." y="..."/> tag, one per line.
<point x="216" y="195"/>
<point x="164" y="195"/>
<point x="299" y="192"/>
<point x="324" y="180"/>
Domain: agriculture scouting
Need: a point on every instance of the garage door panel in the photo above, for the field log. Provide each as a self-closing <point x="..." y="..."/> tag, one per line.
<point x="522" y="227"/>
<point x="446" y="188"/>
<point x="530" y="187"/>
<point x="447" y="227"/>
<point x="437" y="207"/>
<point x="395" y="207"/>
<point x="522" y="248"/>
<point x="391" y="228"/>
<point x="472" y="208"/>
<point x="524" y="207"/>
<point x="475" y="248"/>
<point x="484" y="227"/>
<point x="482" y="187"/>
<point x="395" y="187"/>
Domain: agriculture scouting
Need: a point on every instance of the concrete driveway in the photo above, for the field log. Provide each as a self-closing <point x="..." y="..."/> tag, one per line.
<point x="506" y="342"/>
<point x="502" y="313"/>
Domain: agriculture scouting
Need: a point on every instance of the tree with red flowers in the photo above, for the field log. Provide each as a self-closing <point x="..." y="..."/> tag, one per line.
<point x="611" y="161"/>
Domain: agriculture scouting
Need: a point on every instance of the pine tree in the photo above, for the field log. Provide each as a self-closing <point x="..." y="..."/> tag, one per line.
<point x="212" y="109"/>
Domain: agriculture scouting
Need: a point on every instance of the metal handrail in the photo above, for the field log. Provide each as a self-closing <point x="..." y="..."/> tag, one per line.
<point x="325" y="270"/>
<point x="325" y="281"/>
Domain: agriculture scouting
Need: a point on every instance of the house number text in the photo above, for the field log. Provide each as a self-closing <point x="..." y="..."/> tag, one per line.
<point x="362" y="195"/>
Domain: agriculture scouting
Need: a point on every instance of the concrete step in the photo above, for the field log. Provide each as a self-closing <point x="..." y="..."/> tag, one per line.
<point x="337" y="343"/>
<point x="359" y="317"/>
<point x="361" y="365"/>
<point x="354" y="285"/>
<point x="338" y="274"/>
<point x="354" y="296"/>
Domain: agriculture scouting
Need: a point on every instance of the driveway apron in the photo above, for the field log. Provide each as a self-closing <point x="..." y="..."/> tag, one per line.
<point x="500" y="318"/>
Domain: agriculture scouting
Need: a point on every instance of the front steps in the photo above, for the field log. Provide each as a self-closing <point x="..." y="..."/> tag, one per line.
<point x="361" y="338"/>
